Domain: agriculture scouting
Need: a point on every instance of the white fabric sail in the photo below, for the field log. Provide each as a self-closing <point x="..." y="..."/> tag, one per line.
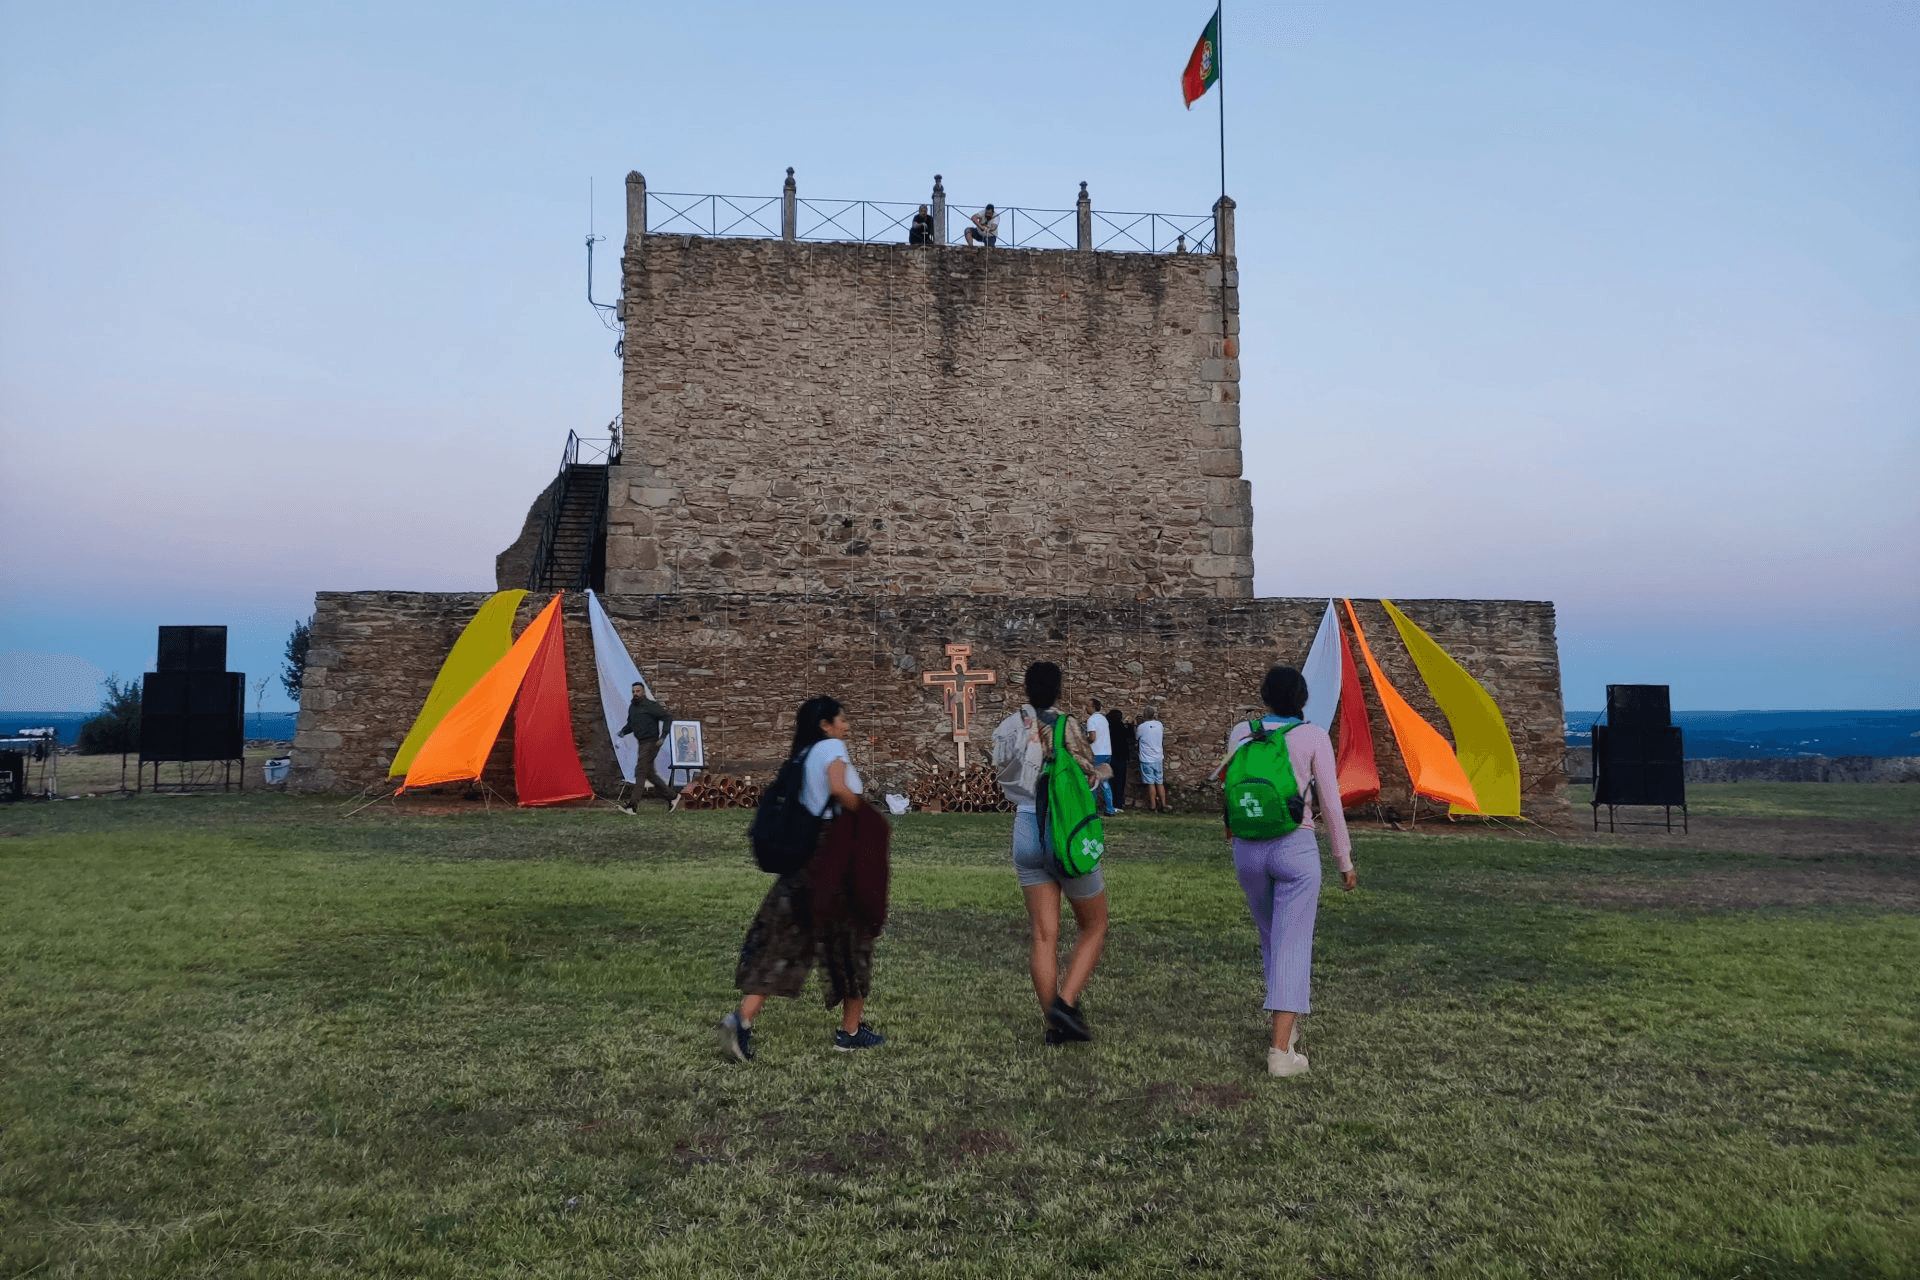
<point x="1322" y="670"/>
<point x="617" y="676"/>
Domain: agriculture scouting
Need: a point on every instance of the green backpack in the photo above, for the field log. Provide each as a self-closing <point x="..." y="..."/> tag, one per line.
<point x="1262" y="796"/>
<point x="1069" y="818"/>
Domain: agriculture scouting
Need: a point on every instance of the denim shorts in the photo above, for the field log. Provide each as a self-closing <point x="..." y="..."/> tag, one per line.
<point x="1033" y="862"/>
<point x="1153" y="771"/>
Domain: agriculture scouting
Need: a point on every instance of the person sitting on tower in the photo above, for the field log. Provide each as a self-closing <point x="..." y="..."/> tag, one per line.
<point x="921" y="232"/>
<point x="985" y="229"/>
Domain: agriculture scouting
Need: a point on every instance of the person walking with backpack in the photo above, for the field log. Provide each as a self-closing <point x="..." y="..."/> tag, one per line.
<point x="1277" y="766"/>
<point x="829" y="908"/>
<point x="1025" y="758"/>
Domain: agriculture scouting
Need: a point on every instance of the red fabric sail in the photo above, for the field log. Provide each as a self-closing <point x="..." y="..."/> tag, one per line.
<point x="1354" y="762"/>
<point x="546" y="764"/>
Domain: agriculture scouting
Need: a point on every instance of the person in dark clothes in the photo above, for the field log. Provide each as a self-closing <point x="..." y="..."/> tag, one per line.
<point x="827" y="913"/>
<point x="646" y="724"/>
<point x="1122" y="754"/>
<point x="921" y="230"/>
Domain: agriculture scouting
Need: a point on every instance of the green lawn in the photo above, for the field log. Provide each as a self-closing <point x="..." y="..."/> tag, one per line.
<point x="245" y="1036"/>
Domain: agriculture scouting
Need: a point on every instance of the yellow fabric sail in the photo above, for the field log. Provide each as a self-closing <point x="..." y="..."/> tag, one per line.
<point x="484" y="642"/>
<point x="1480" y="737"/>
<point x="457" y="750"/>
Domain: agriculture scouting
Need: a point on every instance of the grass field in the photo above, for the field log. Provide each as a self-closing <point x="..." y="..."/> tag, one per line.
<point x="246" y="1036"/>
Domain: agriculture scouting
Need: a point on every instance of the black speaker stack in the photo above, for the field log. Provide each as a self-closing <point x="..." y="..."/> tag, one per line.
<point x="193" y="708"/>
<point x="1638" y="755"/>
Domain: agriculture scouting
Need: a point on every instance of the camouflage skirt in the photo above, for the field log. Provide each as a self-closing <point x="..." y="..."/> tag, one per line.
<point x="785" y="942"/>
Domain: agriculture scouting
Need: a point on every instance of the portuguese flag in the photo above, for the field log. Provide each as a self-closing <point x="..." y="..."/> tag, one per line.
<point x="1203" y="68"/>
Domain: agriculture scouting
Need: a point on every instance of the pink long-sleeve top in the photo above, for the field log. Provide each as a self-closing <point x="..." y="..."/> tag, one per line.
<point x="1311" y="751"/>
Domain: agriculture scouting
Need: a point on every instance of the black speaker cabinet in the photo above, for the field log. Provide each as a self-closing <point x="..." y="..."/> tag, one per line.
<point x="13" y="775"/>
<point x="193" y="715"/>
<point x="1638" y="706"/>
<point x="192" y="649"/>
<point x="1638" y="766"/>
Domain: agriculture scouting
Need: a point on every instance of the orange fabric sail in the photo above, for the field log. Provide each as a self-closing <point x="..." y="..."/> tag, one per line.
<point x="546" y="764"/>
<point x="1430" y="761"/>
<point x="1480" y="738"/>
<point x="484" y="642"/>
<point x="457" y="749"/>
<point x="1354" y="763"/>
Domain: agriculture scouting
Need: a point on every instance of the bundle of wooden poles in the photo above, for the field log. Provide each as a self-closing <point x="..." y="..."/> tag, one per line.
<point x="977" y="790"/>
<point x="720" y="791"/>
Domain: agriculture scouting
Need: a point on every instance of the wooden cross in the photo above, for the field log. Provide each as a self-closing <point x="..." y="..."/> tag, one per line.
<point x="958" y="691"/>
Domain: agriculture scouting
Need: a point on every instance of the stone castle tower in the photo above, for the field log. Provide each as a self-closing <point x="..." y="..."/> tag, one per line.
<point x="821" y="418"/>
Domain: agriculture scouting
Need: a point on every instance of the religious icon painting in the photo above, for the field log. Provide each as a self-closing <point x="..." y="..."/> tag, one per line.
<point x="689" y="750"/>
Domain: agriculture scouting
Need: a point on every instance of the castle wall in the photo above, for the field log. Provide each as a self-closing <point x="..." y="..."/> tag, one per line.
<point x="827" y="418"/>
<point x="743" y="663"/>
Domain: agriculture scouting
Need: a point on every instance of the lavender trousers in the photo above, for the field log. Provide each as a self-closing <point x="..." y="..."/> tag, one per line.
<point x="1281" y="879"/>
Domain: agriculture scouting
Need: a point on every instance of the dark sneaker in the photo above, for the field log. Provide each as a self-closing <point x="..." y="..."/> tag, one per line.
<point x="1053" y="1038"/>
<point x="736" y="1038"/>
<point x="1068" y="1020"/>
<point x="865" y="1038"/>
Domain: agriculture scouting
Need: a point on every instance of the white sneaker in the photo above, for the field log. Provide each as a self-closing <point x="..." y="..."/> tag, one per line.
<point x="1285" y="1062"/>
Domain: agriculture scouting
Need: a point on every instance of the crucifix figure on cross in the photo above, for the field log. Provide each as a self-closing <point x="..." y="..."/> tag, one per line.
<point x="958" y="686"/>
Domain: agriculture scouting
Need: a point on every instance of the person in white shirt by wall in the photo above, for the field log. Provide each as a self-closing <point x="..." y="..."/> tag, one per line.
<point x="1150" y="746"/>
<point x="1100" y="738"/>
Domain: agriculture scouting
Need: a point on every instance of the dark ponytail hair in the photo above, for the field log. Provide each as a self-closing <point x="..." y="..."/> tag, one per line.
<point x="1285" y="692"/>
<point x="806" y="722"/>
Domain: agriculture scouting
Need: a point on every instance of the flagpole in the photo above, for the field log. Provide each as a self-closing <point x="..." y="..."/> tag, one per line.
<point x="1220" y="44"/>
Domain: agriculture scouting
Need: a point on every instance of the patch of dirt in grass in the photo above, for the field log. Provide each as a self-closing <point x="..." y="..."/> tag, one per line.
<point x="1798" y="839"/>
<point x="976" y="1144"/>
<point x="1743" y="888"/>
<point x="1821" y="861"/>
<point x="701" y="1148"/>
<point x="1189" y="1099"/>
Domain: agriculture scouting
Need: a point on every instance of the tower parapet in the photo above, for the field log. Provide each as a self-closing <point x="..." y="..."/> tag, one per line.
<point x="814" y="406"/>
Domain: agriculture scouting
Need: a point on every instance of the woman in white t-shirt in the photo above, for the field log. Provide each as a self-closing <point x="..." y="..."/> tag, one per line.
<point x="786" y="939"/>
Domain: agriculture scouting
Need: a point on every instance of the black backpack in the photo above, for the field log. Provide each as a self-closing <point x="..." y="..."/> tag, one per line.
<point x="784" y="832"/>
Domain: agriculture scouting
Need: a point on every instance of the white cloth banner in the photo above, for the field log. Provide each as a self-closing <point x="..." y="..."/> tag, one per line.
<point x="1322" y="670"/>
<point x="617" y="675"/>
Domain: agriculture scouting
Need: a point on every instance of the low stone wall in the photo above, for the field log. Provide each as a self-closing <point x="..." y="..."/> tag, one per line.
<point x="1808" y="769"/>
<point x="1579" y="769"/>
<point x="743" y="663"/>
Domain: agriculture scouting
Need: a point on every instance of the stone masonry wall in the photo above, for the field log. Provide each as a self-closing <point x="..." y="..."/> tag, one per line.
<point x="828" y="418"/>
<point x="743" y="663"/>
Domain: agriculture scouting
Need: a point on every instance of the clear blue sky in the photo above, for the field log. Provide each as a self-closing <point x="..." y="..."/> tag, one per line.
<point x="1615" y="305"/>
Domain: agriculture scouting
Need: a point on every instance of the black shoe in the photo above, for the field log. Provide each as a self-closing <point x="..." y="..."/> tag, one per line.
<point x="1053" y="1038"/>
<point x="1067" y="1020"/>
<point x="736" y="1038"/>
<point x="864" y="1038"/>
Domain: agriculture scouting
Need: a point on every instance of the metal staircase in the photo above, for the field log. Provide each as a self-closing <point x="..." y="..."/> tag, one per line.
<point x="572" y="553"/>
